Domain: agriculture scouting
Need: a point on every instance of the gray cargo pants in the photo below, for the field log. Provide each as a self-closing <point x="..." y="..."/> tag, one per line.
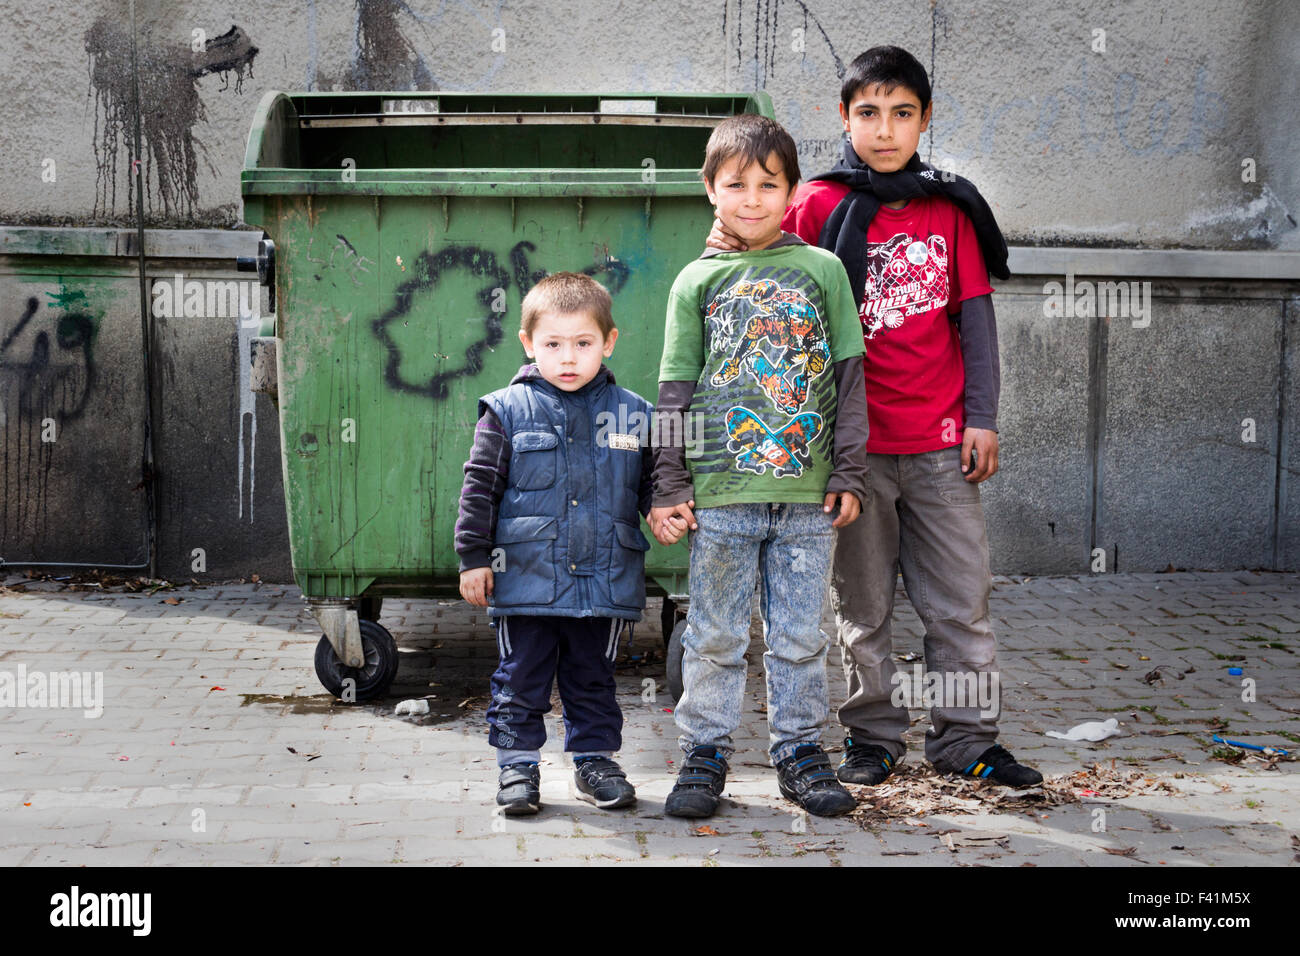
<point x="925" y="517"/>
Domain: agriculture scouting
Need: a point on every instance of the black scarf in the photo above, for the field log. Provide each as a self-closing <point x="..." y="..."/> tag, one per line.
<point x="845" y="232"/>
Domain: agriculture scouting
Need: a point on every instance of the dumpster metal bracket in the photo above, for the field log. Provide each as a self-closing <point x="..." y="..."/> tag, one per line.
<point x="649" y="205"/>
<point x="446" y="214"/>
<point x="342" y="627"/>
<point x="262" y="369"/>
<point x="512" y="213"/>
<point x="579" y="214"/>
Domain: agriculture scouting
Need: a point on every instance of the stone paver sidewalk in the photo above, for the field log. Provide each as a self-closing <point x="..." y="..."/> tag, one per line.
<point x="216" y="744"/>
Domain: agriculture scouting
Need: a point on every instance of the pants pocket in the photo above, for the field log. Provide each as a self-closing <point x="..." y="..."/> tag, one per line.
<point x="949" y="482"/>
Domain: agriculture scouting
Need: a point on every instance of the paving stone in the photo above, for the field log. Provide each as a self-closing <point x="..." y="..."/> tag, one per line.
<point x="389" y="789"/>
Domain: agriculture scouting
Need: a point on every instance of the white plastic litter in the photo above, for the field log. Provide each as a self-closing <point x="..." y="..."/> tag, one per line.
<point x="1093" y="730"/>
<point x="415" y="707"/>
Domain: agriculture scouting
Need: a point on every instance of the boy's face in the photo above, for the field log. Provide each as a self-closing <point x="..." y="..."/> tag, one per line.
<point x="885" y="127"/>
<point x="568" y="348"/>
<point x="751" y="201"/>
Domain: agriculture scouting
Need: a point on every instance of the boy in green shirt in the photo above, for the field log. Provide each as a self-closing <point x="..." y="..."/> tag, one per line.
<point x="763" y="350"/>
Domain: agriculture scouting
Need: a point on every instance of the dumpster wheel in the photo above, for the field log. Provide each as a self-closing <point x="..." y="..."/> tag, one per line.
<point x="674" y="658"/>
<point x="370" y="681"/>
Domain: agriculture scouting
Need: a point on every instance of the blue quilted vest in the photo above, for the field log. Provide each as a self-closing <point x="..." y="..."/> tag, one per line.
<point x="568" y="526"/>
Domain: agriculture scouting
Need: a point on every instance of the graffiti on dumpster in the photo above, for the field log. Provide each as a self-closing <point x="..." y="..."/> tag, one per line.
<point x="348" y="252"/>
<point x="428" y="270"/>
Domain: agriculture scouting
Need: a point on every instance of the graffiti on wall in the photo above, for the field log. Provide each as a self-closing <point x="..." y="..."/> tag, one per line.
<point x="47" y="373"/>
<point x="390" y="39"/>
<point x="50" y="375"/>
<point x="170" y="110"/>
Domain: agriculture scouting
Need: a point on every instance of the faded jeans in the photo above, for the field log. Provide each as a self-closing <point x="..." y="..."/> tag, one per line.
<point x="787" y="547"/>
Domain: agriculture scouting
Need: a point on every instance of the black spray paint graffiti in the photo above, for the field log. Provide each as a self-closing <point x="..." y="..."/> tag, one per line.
<point x="767" y="39"/>
<point x="170" y="108"/>
<point x="429" y="268"/>
<point x="46" y="390"/>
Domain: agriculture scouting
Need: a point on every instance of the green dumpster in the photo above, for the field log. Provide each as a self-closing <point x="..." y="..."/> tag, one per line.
<point x="403" y="230"/>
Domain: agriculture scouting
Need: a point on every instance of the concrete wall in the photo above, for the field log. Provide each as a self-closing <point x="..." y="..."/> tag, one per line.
<point x="1169" y="131"/>
<point x="1103" y="123"/>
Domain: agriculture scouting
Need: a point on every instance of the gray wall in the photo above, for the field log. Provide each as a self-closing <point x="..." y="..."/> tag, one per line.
<point x="1140" y="144"/>
<point x="1117" y="438"/>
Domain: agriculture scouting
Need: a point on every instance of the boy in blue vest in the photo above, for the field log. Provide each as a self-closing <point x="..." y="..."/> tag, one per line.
<point x="549" y="533"/>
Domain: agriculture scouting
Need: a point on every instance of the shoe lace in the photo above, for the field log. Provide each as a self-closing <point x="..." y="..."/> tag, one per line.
<point x="864" y="755"/>
<point x="997" y="757"/>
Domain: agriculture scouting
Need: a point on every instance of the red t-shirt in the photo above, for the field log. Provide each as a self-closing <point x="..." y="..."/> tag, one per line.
<point x="922" y="261"/>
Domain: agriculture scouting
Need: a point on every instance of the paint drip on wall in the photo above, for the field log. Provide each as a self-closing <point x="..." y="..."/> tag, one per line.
<point x="170" y="109"/>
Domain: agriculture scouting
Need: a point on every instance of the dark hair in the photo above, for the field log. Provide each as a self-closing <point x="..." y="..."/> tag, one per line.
<point x="567" y="292"/>
<point x="890" y="67"/>
<point x="752" y="138"/>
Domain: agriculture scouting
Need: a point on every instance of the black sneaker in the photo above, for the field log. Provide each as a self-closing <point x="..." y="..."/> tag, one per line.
<point x="700" y="780"/>
<point x="807" y="778"/>
<point x="998" y="765"/>
<point x="864" y="763"/>
<point x="603" y="782"/>
<point x="519" y="789"/>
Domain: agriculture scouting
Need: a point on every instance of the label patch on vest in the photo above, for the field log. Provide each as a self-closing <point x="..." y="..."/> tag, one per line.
<point x="624" y="442"/>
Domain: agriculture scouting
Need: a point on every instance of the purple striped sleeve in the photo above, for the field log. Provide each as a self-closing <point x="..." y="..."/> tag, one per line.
<point x="480" y="496"/>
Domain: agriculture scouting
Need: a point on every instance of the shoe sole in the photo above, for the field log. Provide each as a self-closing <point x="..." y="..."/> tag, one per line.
<point x="519" y="808"/>
<point x="790" y="795"/>
<point x="691" y="813"/>
<point x="850" y="776"/>
<point x="615" y="804"/>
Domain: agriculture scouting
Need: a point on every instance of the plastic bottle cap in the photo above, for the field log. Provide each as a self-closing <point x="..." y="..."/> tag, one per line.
<point x="1234" y="671"/>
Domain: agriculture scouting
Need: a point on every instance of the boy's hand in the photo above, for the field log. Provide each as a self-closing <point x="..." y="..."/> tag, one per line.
<point x="722" y="238"/>
<point x="476" y="586"/>
<point x="669" y="522"/>
<point x="985" y="443"/>
<point x="849" y="507"/>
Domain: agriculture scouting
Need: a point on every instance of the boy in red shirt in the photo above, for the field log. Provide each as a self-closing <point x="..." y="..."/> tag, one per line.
<point x="915" y="242"/>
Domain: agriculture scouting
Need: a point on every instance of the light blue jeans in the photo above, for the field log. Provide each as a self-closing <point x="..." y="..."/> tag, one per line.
<point x="789" y="547"/>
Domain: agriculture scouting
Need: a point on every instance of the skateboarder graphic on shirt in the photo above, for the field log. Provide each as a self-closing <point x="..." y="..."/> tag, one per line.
<point x="783" y="318"/>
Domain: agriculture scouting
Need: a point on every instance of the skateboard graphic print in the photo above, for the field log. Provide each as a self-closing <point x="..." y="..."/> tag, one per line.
<point x="784" y="319"/>
<point x="756" y="446"/>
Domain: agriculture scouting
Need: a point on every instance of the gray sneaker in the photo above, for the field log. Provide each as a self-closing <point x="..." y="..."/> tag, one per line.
<point x="519" y="789"/>
<point x="602" y="782"/>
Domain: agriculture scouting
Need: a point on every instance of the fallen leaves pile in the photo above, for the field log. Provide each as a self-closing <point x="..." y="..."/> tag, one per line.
<point x="915" y="791"/>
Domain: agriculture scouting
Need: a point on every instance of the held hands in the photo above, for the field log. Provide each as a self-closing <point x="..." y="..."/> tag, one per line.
<point x="669" y="522"/>
<point x="476" y="586"/>
<point x="985" y="443"/>
<point x="849" y="507"/>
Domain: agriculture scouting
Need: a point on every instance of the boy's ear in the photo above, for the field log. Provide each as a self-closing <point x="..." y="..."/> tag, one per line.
<point x="527" y="342"/>
<point x="609" y="342"/>
<point x="844" y="116"/>
<point x="925" y="117"/>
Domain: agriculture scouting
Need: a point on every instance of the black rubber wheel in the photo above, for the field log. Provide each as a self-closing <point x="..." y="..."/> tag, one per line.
<point x="372" y="679"/>
<point x="668" y="619"/>
<point x="674" y="658"/>
<point x="368" y="608"/>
